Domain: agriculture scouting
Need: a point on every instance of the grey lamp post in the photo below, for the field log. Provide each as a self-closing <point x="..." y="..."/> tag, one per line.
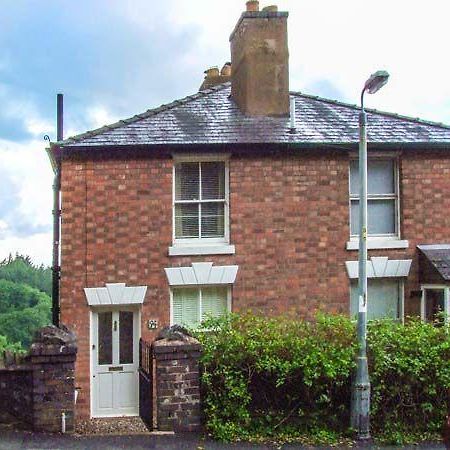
<point x="361" y="386"/>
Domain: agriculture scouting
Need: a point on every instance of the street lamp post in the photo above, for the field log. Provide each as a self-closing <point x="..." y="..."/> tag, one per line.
<point x="361" y="386"/>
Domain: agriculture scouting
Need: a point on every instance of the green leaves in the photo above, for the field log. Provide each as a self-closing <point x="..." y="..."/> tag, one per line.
<point x="410" y="375"/>
<point x="262" y="376"/>
<point x="23" y="307"/>
<point x="282" y="380"/>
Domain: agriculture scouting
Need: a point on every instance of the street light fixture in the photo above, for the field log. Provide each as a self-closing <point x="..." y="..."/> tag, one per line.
<point x="361" y="386"/>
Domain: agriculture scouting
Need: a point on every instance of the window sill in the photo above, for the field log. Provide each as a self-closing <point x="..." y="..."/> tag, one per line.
<point x="192" y="250"/>
<point x="378" y="244"/>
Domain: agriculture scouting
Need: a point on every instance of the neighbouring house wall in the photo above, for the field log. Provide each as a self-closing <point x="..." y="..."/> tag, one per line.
<point x="289" y="222"/>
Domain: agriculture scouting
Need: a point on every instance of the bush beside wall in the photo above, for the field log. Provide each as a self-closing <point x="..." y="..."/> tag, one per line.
<point x="283" y="379"/>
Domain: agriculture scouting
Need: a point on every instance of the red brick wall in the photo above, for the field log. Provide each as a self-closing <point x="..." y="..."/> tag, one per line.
<point x="288" y="222"/>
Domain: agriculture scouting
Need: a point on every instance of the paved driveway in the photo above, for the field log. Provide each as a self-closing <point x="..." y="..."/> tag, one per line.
<point x="12" y="440"/>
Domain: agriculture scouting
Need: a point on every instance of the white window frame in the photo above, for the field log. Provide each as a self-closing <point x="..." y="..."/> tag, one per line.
<point x="379" y="241"/>
<point x="198" y="288"/>
<point x="401" y="294"/>
<point x="440" y="287"/>
<point x="202" y="246"/>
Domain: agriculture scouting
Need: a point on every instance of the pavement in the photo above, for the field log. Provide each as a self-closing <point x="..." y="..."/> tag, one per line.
<point x="11" y="440"/>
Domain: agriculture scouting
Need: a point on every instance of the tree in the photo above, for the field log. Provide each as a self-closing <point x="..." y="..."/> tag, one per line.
<point x="20" y="269"/>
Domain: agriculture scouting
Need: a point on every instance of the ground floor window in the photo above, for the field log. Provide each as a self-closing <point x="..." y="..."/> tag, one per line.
<point x="192" y="305"/>
<point x="435" y="303"/>
<point x="384" y="298"/>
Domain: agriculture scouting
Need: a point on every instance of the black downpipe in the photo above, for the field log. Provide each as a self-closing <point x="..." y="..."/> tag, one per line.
<point x="56" y="269"/>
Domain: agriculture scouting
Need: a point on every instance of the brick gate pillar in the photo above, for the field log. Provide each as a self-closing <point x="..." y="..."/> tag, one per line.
<point x="177" y="384"/>
<point x="52" y="357"/>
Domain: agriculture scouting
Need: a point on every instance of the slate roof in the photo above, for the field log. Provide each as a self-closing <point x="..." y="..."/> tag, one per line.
<point x="212" y="117"/>
<point x="439" y="257"/>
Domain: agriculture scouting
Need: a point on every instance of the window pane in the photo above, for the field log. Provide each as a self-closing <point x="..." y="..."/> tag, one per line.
<point x="125" y="337"/>
<point x="354" y="177"/>
<point x="213" y="180"/>
<point x="186" y="221"/>
<point x="380" y="217"/>
<point x="214" y="302"/>
<point x="380" y="177"/>
<point x="434" y="304"/>
<point x="213" y="219"/>
<point x="187" y="181"/>
<point x="105" y="338"/>
<point x="382" y="299"/>
<point x="185" y="307"/>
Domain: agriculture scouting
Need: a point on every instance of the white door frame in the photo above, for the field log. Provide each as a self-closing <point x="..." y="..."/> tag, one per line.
<point x="93" y="314"/>
<point x="446" y="289"/>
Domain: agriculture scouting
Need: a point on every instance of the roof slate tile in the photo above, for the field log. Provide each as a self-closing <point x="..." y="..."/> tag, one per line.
<point x="212" y="117"/>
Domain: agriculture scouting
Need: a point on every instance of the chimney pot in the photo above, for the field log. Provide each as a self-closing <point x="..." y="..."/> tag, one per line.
<point x="226" y="70"/>
<point x="252" y="5"/>
<point x="271" y="8"/>
<point x="212" y="72"/>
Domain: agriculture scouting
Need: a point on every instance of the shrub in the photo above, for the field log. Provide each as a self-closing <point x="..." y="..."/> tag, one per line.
<point x="282" y="379"/>
<point x="265" y="377"/>
<point x="410" y="377"/>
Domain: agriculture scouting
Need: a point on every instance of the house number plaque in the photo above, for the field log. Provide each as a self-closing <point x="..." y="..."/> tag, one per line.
<point x="152" y="324"/>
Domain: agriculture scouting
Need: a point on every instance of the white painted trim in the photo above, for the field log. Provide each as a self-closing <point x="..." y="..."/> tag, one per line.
<point x="434" y="247"/>
<point x="199" y="242"/>
<point x="200" y="157"/>
<point x="93" y="325"/>
<point x="392" y="156"/>
<point x="115" y="294"/>
<point x="381" y="267"/>
<point x="91" y="362"/>
<point x="446" y="290"/>
<point x="229" y="301"/>
<point x="374" y="244"/>
<point x="401" y="293"/>
<point x="201" y="274"/>
<point x="180" y="250"/>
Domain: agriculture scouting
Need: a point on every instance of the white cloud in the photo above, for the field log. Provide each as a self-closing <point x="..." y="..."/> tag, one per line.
<point x="37" y="246"/>
<point x="99" y="116"/>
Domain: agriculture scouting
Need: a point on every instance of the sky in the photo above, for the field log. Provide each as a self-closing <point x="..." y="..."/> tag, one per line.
<point x="116" y="58"/>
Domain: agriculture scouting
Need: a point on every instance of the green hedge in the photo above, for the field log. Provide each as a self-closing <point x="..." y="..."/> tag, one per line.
<point x="282" y="379"/>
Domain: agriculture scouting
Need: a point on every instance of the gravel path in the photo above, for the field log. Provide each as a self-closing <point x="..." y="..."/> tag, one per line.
<point x="116" y="425"/>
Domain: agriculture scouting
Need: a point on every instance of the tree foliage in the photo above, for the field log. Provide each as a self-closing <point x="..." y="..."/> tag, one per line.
<point x="25" y="304"/>
<point x="20" y="269"/>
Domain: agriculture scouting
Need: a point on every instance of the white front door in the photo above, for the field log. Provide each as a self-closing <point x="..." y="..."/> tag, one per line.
<point x="114" y="362"/>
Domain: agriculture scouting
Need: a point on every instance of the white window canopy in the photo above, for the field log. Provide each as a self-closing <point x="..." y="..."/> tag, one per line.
<point x="115" y="294"/>
<point x="201" y="274"/>
<point x="381" y="267"/>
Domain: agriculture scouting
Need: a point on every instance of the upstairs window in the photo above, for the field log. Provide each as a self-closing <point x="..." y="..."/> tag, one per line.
<point x="201" y="201"/>
<point x="382" y="198"/>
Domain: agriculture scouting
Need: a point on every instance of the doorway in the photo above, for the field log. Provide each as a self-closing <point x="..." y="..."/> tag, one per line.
<point x="114" y="362"/>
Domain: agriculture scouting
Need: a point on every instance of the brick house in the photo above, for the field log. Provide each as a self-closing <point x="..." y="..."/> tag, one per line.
<point x="215" y="203"/>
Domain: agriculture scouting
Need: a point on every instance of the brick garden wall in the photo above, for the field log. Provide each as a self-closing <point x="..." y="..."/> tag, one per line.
<point x="289" y="222"/>
<point x="16" y="395"/>
<point x="40" y="387"/>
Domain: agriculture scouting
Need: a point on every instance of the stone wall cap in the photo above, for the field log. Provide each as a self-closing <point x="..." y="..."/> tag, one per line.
<point x="52" y="335"/>
<point x="167" y="346"/>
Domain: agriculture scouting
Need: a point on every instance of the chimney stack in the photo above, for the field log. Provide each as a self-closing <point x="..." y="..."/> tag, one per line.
<point x="260" y="62"/>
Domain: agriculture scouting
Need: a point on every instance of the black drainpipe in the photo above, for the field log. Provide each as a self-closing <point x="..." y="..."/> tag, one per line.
<point x="56" y="269"/>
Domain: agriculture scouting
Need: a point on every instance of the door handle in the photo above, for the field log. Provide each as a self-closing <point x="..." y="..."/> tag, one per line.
<point x="115" y="325"/>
